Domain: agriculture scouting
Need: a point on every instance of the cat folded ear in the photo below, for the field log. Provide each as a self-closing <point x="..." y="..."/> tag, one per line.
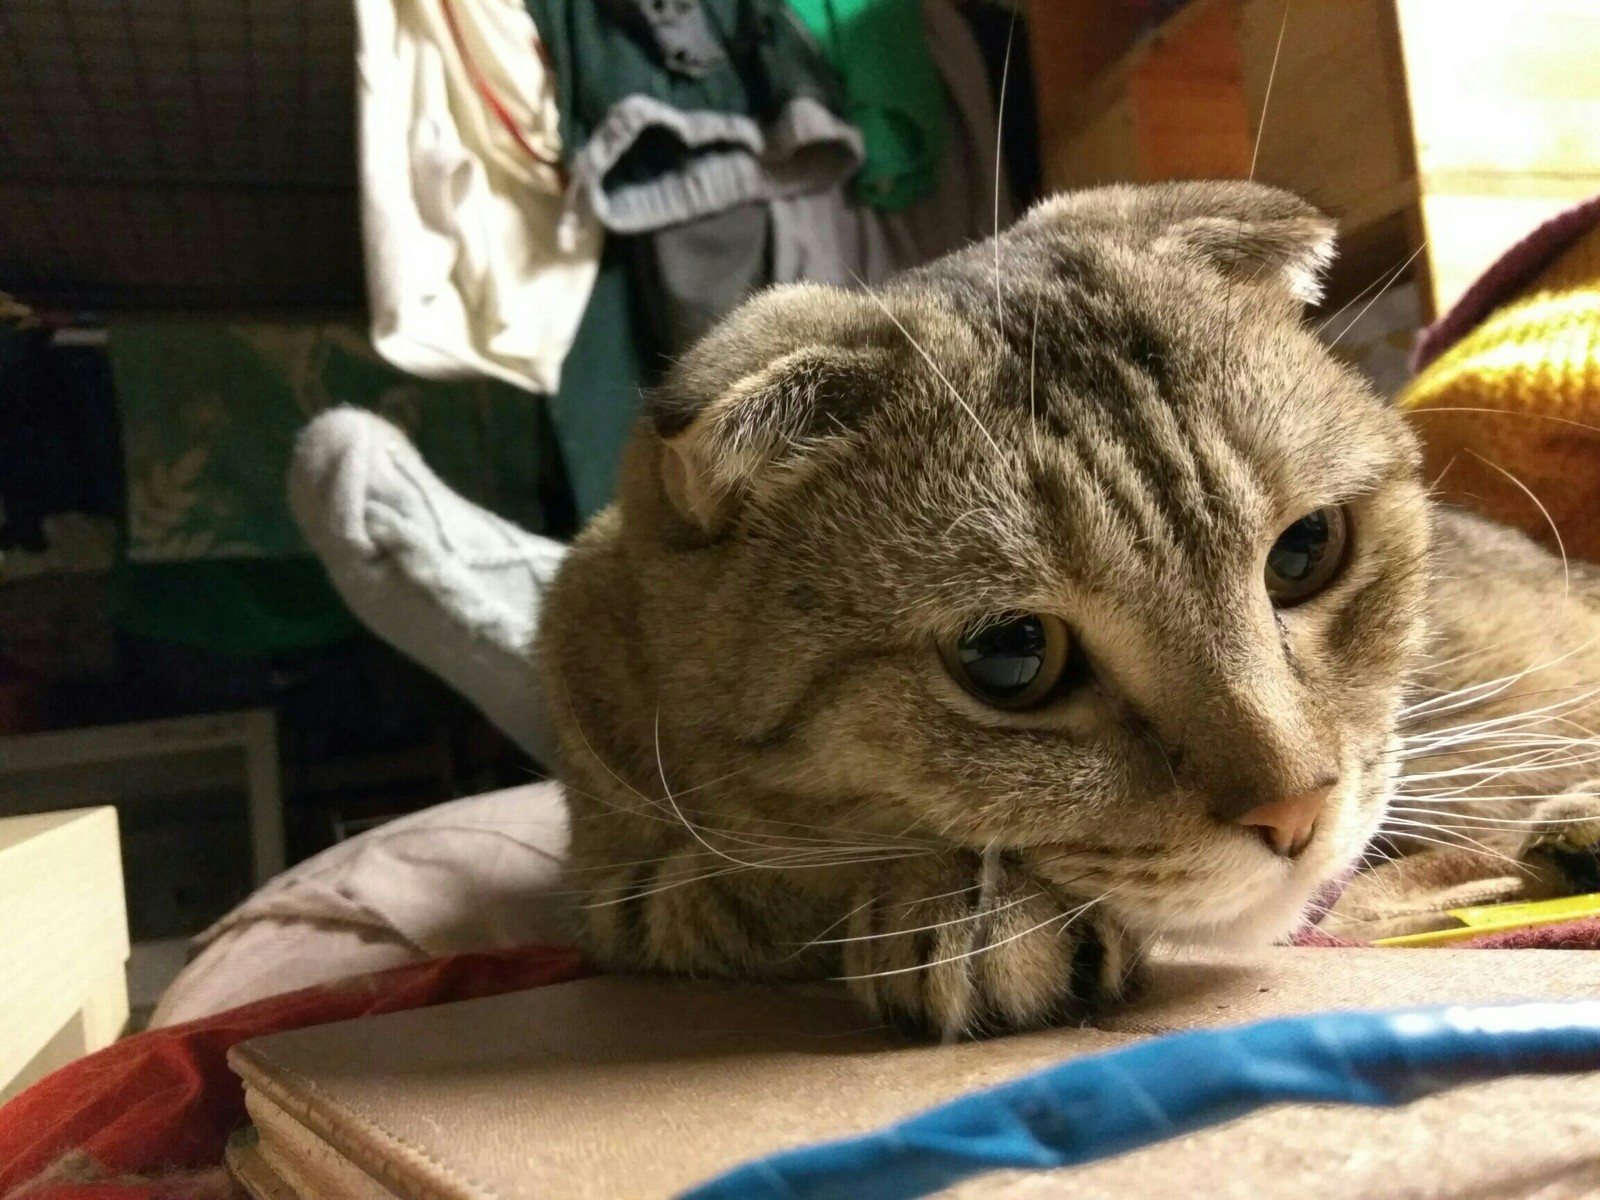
<point x="761" y="395"/>
<point x="1252" y="233"/>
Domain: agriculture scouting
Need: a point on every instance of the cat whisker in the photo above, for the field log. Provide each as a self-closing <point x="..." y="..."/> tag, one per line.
<point x="1469" y="752"/>
<point x="999" y="133"/>
<point x="1266" y="97"/>
<point x="1068" y="917"/>
<point x="1530" y="735"/>
<point x="1509" y="824"/>
<point x="797" y="849"/>
<point x="1471" y="783"/>
<point x="943" y="378"/>
<point x="828" y="928"/>
<point x="1460" y="699"/>
<point x="577" y="726"/>
<point x="1513" y="798"/>
<point x="1386" y="273"/>
<point x="1407" y="828"/>
<point x="1534" y="752"/>
<point x="1483" y="775"/>
<point x="751" y="837"/>
<point x="978" y="914"/>
<point x="989" y="884"/>
<point x="678" y="813"/>
<point x="815" y="847"/>
<point x="1451" y="734"/>
<point x="1033" y="375"/>
<point x="1517" y="746"/>
<point x="1507" y="412"/>
<point x="1378" y="295"/>
<point x="961" y="891"/>
<point x="1535" y="728"/>
<point x="628" y="896"/>
<point x="1154" y="936"/>
<point x="892" y="839"/>
<point x="741" y="867"/>
<point x="865" y="840"/>
<point x="1566" y="566"/>
<point x="687" y="824"/>
<point x="1566" y="569"/>
<point x="1255" y="152"/>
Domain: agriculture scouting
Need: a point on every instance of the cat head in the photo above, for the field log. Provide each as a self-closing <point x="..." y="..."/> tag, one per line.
<point x="1077" y="543"/>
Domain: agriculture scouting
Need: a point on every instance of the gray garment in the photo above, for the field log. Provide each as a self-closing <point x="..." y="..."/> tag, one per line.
<point x="736" y="161"/>
<point x="823" y="238"/>
<point x="662" y="127"/>
<point x="692" y="275"/>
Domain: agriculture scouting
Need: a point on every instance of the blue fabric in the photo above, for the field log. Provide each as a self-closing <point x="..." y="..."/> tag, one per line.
<point x="1110" y="1103"/>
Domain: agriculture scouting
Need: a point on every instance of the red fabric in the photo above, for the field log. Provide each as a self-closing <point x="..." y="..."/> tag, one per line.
<point x="1582" y="934"/>
<point x="148" y="1118"/>
<point x="1312" y="936"/>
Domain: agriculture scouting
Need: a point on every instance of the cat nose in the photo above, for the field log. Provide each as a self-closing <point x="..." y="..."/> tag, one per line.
<point x="1287" y="823"/>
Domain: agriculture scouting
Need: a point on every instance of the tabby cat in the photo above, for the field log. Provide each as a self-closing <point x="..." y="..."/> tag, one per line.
<point x="1066" y="595"/>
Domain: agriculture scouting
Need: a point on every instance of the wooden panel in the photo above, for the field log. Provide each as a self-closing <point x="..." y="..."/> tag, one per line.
<point x="1189" y="103"/>
<point x="62" y="768"/>
<point x="1505" y="100"/>
<point x="1103" y="150"/>
<point x="1170" y="108"/>
<point x="63" y="931"/>
<point x="1074" y="42"/>
<point x="1464" y="121"/>
<point x="1335" y="127"/>
<point x="94" y="1026"/>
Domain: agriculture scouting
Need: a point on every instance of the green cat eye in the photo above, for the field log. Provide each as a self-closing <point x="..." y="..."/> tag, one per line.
<point x="1307" y="556"/>
<point x="1012" y="661"/>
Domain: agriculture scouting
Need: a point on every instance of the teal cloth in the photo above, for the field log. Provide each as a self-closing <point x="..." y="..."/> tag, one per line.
<point x="759" y="62"/>
<point x="892" y="89"/>
<point x="210" y="411"/>
<point x="242" y="608"/>
<point x="601" y="382"/>
<point x="211" y="556"/>
<point x="597" y="60"/>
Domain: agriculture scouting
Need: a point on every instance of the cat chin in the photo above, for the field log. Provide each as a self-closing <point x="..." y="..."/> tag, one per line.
<point x="1266" y="922"/>
<point x="1264" y="912"/>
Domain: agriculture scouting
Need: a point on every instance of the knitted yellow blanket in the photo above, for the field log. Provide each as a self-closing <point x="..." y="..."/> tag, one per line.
<point x="1510" y="413"/>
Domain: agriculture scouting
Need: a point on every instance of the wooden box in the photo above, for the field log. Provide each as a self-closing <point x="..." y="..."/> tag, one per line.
<point x="63" y="942"/>
<point x="1439" y="129"/>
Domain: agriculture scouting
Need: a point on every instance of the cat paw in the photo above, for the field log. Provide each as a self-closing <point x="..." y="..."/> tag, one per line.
<point x="1562" y="853"/>
<point x="944" y="948"/>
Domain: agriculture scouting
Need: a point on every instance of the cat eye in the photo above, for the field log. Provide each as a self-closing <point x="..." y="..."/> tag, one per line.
<point x="1307" y="556"/>
<point x="1012" y="661"/>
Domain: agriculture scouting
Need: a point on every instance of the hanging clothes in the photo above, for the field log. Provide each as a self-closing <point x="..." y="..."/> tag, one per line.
<point x="461" y="194"/>
<point x="828" y="239"/>
<point x="671" y="112"/>
<point x="689" y="276"/>
<point x="601" y="388"/>
<point x="893" y="92"/>
<point x="680" y="120"/>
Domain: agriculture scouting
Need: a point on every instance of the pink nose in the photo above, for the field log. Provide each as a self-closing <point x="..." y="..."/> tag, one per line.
<point x="1286" y="825"/>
